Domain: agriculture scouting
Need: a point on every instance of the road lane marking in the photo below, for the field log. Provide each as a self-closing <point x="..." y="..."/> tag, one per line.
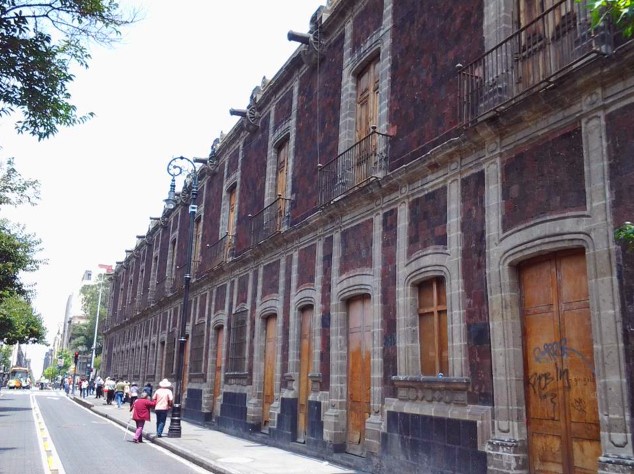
<point x="50" y="459"/>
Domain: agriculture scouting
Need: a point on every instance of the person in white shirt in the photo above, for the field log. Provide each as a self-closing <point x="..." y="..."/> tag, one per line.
<point x="164" y="399"/>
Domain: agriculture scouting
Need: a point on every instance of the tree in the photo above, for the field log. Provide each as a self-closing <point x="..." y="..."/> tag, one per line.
<point x="19" y="323"/>
<point x="621" y="12"/>
<point x="17" y="254"/>
<point x="90" y="301"/>
<point x="18" y="320"/>
<point x="40" y="43"/>
<point x="51" y="372"/>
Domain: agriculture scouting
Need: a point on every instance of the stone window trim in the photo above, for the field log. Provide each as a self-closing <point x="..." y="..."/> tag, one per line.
<point x="424" y="266"/>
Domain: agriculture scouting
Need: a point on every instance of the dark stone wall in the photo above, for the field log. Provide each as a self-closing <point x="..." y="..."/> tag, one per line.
<point x="242" y="291"/>
<point x="306" y="265"/>
<point x="252" y="171"/>
<point x="474" y="276"/>
<point x="271" y="279"/>
<point x="211" y="201"/>
<point x="182" y="241"/>
<point x="326" y="288"/>
<point x="388" y="300"/>
<point x="420" y="443"/>
<point x="356" y="247"/>
<point x="317" y="132"/>
<point x="163" y="243"/>
<point x="221" y="298"/>
<point x="315" y="430"/>
<point x="427" y="224"/>
<point x="283" y="108"/>
<point x="366" y="22"/>
<point x="428" y="40"/>
<point x="286" y="429"/>
<point x="193" y="409"/>
<point x="232" y="162"/>
<point x="544" y="180"/>
<point x="621" y="154"/>
<point x="233" y="413"/>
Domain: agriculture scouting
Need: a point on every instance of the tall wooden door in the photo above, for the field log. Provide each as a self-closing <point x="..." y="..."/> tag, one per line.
<point x="218" y="370"/>
<point x="560" y="385"/>
<point x="280" y="186"/>
<point x="359" y="364"/>
<point x="268" y="394"/>
<point x="305" y="357"/>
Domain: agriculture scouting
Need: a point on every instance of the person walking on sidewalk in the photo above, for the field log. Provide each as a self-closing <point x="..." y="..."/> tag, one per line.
<point x="119" y="389"/>
<point x="148" y="389"/>
<point x="98" y="387"/>
<point x="140" y="414"/>
<point x="164" y="399"/>
<point x="134" y="392"/>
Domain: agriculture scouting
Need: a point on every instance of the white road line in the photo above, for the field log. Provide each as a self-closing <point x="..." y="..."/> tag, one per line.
<point x="50" y="459"/>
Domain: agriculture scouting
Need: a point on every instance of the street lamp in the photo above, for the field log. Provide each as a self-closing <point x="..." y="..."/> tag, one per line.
<point x="175" y="168"/>
<point x="94" y="340"/>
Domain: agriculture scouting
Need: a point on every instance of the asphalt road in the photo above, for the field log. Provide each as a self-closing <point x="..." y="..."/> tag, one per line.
<point x="80" y="441"/>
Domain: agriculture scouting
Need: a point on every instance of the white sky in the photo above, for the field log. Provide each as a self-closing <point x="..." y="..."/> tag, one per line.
<point x="165" y="90"/>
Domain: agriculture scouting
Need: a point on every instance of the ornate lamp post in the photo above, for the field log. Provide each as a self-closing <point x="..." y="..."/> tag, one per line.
<point x="175" y="168"/>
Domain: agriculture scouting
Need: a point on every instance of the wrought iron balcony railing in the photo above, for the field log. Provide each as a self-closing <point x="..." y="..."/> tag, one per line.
<point x="221" y="251"/>
<point x="363" y="161"/>
<point x="531" y="59"/>
<point x="269" y="221"/>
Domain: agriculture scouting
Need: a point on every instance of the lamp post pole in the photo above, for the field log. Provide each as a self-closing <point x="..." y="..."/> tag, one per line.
<point x="174" y="169"/>
<point x="94" y="340"/>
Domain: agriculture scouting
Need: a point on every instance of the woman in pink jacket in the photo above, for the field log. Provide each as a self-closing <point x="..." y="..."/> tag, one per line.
<point x="140" y="414"/>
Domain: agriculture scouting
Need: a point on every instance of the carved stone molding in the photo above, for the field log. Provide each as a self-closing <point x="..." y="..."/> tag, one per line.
<point x="452" y="390"/>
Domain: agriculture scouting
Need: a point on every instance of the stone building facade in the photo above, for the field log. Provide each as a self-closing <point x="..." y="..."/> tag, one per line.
<point x="404" y="252"/>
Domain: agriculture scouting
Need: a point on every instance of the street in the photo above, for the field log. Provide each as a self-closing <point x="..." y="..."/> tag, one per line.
<point x="67" y="438"/>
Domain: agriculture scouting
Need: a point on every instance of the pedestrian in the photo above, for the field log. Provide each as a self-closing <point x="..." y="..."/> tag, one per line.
<point x="164" y="399"/>
<point x="134" y="392"/>
<point x="148" y="389"/>
<point x="126" y="392"/>
<point x="140" y="414"/>
<point x="84" y="388"/>
<point x="98" y="387"/>
<point x="109" y="385"/>
<point x="91" y="387"/>
<point x="119" y="390"/>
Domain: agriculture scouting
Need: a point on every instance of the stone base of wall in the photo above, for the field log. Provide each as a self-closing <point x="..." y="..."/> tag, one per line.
<point x="507" y="456"/>
<point x="613" y="464"/>
<point x="285" y="429"/>
<point x="233" y="414"/>
<point x="193" y="410"/>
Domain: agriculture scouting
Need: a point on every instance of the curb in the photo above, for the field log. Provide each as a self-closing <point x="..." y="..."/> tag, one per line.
<point x="181" y="452"/>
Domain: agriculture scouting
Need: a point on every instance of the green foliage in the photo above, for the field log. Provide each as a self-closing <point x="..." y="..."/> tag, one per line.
<point x="90" y="301"/>
<point x="51" y="372"/>
<point x="5" y="357"/>
<point x="625" y="234"/>
<point x="15" y="190"/>
<point x="621" y="12"/>
<point x="67" y="357"/>
<point x="17" y="254"/>
<point x="19" y="323"/>
<point x="40" y="41"/>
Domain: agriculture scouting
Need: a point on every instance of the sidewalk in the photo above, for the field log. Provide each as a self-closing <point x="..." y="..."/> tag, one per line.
<point x="216" y="451"/>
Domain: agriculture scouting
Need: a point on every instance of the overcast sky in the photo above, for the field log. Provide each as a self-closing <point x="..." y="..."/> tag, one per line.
<point x="165" y="90"/>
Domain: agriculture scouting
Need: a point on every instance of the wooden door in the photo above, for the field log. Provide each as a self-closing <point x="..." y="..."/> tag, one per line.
<point x="305" y="358"/>
<point x="268" y="394"/>
<point x="560" y="385"/>
<point x="359" y="364"/>
<point x="280" y="188"/>
<point x="367" y="117"/>
<point x="218" y="371"/>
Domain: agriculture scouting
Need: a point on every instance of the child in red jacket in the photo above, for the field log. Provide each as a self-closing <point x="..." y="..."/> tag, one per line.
<point x="140" y="414"/>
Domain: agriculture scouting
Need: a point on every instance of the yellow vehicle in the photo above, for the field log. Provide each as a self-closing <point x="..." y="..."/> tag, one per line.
<point x="19" y="377"/>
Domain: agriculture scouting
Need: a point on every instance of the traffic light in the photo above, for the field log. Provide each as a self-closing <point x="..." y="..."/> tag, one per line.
<point x="76" y="357"/>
